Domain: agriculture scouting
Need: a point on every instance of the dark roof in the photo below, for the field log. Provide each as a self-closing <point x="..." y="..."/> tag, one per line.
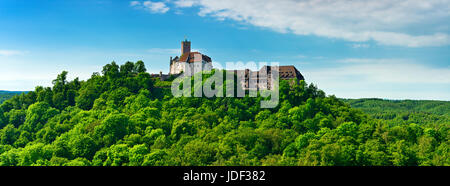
<point x="289" y="72"/>
<point x="285" y="72"/>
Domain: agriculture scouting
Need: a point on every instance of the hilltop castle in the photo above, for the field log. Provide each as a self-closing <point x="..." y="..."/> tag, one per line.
<point x="192" y="62"/>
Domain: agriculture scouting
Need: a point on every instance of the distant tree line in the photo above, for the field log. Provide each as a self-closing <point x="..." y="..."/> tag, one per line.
<point x="5" y="95"/>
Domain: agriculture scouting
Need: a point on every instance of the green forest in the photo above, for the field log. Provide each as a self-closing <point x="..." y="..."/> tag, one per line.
<point x="396" y="112"/>
<point x="4" y="95"/>
<point x="124" y="117"/>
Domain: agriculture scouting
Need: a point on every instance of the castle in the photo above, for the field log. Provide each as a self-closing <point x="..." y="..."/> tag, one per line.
<point x="255" y="77"/>
<point x="189" y="63"/>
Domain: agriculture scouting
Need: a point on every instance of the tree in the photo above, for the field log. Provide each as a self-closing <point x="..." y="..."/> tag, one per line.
<point x="45" y="95"/>
<point x="83" y="146"/>
<point x="113" y="128"/>
<point x="157" y="157"/>
<point x="87" y="95"/>
<point x="197" y="153"/>
<point x="117" y="155"/>
<point x="139" y="67"/>
<point x="3" y="120"/>
<point x="137" y="154"/>
<point x="37" y="116"/>
<point x="8" y="135"/>
<point x="59" y="101"/>
<point x="127" y="69"/>
<point x="16" y="117"/>
<point x="60" y="82"/>
<point x="402" y="154"/>
<point x="111" y="70"/>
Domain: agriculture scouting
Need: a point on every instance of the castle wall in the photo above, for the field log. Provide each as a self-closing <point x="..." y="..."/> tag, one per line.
<point x="196" y="67"/>
<point x="177" y="67"/>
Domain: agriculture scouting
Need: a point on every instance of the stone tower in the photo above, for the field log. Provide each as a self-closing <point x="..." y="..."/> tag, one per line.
<point x="185" y="47"/>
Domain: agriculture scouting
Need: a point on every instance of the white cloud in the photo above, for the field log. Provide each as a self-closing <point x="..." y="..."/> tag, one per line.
<point x="153" y="7"/>
<point x="184" y="3"/>
<point x="135" y="3"/>
<point x="410" y="23"/>
<point x="11" y="52"/>
<point x="360" y="45"/>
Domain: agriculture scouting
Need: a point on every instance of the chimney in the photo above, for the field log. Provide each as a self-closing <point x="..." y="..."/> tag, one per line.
<point x="185" y="47"/>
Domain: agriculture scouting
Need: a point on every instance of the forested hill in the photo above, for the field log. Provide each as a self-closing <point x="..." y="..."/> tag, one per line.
<point x="4" y="95"/>
<point x="404" y="111"/>
<point x="374" y="105"/>
<point x="119" y="118"/>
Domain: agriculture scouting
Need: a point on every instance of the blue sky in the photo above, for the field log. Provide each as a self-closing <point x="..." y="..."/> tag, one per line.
<point x="395" y="49"/>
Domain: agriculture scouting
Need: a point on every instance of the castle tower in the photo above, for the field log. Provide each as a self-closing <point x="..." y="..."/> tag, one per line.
<point x="185" y="47"/>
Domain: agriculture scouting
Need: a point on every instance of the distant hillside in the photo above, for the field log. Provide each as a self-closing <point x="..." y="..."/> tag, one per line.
<point x="4" y="95"/>
<point x="8" y="92"/>
<point x="417" y="111"/>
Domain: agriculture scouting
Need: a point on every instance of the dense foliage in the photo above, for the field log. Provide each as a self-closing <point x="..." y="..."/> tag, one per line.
<point x="119" y="118"/>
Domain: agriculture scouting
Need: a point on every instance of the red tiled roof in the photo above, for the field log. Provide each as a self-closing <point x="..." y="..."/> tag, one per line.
<point x="191" y="57"/>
